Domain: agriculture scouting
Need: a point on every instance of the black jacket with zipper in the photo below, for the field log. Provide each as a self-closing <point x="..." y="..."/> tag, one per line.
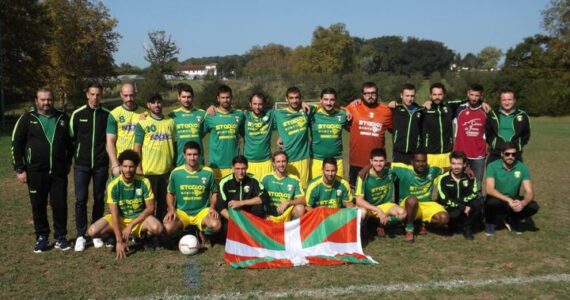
<point x="88" y="132"/>
<point x="31" y="149"/>
<point x="406" y="129"/>
<point x="437" y="128"/>
<point x="521" y="126"/>
<point x="458" y="194"/>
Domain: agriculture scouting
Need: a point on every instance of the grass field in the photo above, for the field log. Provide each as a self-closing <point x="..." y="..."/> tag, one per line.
<point x="96" y="274"/>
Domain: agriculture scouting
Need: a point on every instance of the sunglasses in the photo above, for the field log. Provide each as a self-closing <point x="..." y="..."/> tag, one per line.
<point x="507" y="154"/>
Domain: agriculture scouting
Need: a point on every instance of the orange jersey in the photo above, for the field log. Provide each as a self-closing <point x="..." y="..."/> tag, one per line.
<point x="367" y="131"/>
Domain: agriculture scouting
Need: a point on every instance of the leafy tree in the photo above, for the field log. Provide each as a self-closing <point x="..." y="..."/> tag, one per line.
<point x="470" y="61"/>
<point x="161" y="54"/>
<point x="272" y="59"/>
<point x="425" y="57"/>
<point x="81" y="45"/>
<point x="489" y="58"/>
<point x="126" y="68"/>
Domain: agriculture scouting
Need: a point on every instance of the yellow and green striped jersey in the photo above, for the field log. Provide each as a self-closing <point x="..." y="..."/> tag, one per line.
<point x="189" y="126"/>
<point x="122" y="123"/>
<point x="192" y="189"/>
<point x="224" y="129"/>
<point x="257" y="136"/>
<point x="279" y="190"/>
<point x="376" y="189"/>
<point x="157" y="139"/>
<point x="335" y="195"/>
<point x="129" y="197"/>
<point x="326" y="133"/>
<point x="292" y="127"/>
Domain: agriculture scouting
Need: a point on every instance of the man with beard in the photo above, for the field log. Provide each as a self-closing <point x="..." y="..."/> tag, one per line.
<point x="370" y="120"/>
<point x="504" y="180"/>
<point x="458" y="194"/>
<point x="329" y="190"/>
<point x="286" y="196"/>
<point x="257" y="136"/>
<point x="41" y="153"/>
<point x="121" y="125"/>
<point x="224" y="129"/>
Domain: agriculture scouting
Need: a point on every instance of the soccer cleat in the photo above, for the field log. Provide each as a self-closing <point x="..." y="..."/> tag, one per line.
<point x="41" y="244"/>
<point x="110" y="243"/>
<point x="381" y="231"/>
<point x="80" y="244"/>
<point x="468" y="234"/>
<point x="409" y="236"/>
<point x="98" y="243"/>
<point x="513" y="227"/>
<point x="490" y="229"/>
<point x="62" y="244"/>
<point x="423" y="230"/>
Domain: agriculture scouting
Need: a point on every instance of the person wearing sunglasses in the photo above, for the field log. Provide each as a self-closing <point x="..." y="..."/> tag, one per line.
<point x="503" y="184"/>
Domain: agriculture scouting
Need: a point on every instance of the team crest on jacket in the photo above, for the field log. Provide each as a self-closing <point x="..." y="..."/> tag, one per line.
<point x="138" y="192"/>
<point x="203" y="180"/>
<point x="199" y="119"/>
<point x="290" y="187"/>
<point x="246" y="188"/>
<point x="339" y="118"/>
<point x="61" y="123"/>
<point x="237" y="119"/>
<point x="517" y="174"/>
<point x="265" y="119"/>
<point x="445" y="109"/>
<point x="338" y="192"/>
<point x="519" y="118"/>
<point x="465" y="183"/>
<point x="371" y="115"/>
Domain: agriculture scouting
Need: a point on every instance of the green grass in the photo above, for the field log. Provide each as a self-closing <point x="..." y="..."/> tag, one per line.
<point x="96" y="274"/>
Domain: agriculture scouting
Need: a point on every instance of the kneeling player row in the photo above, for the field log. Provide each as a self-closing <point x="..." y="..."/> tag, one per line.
<point x="195" y="199"/>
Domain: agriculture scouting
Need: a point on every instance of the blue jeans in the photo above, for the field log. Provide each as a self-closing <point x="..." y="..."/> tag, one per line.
<point x="82" y="176"/>
<point x="478" y="168"/>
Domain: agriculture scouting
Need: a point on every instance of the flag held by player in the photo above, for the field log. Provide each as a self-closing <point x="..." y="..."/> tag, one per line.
<point x="324" y="236"/>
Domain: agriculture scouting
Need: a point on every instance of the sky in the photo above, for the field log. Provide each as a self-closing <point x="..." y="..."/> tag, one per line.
<point x="217" y="28"/>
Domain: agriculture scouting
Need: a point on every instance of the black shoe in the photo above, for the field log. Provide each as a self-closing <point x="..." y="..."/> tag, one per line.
<point x="62" y="244"/>
<point x="110" y="242"/>
<point x="512" y="226"/>
<point x="42" y="244"/>
<point x="468" y="234"/>
<point x="530" y="225"/>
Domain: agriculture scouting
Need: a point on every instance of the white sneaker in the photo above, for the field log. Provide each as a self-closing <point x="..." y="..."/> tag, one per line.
<point x="97" y="243"/>
<point x="80" y="244"/>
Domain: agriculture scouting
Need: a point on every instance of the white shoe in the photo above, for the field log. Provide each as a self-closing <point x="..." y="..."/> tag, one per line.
<point x="98" y="243"/>
<point x="80" y="244"/>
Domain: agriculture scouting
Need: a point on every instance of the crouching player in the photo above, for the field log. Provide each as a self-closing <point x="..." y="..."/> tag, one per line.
<point x="131" y="203"/>
<point x="374" y="192"/>
<point x="192" y="196"/>
<point x="459" y="195"/>
<point x="329" y="190"/>
<point x="286" y="196"/>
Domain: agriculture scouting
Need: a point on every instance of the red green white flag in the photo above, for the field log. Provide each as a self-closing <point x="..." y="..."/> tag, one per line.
<point x="324" y="236"/>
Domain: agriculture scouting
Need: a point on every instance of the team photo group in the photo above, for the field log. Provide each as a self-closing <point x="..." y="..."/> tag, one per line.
<point x="456" y="165"/>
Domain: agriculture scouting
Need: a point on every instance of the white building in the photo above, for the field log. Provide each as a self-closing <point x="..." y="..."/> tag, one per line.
<point x="198" y="71"/>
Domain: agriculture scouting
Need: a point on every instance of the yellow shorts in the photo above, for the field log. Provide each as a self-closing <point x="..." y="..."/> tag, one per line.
<point x="284" y="217"/>
<point x="439" y="160"/>
<point x="136" y="230"/>
<point x="426" y="210"/>
<point x="317" y="168"/>
<point x="188" y="220"/>
<point x="300" y="169"/>
<point x="259" y="169"/>
<point x="383" y="207"/>
<point x="221" y="173"/>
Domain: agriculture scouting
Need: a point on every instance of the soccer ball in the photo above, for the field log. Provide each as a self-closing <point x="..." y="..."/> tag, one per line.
<point x="188" y="245"/>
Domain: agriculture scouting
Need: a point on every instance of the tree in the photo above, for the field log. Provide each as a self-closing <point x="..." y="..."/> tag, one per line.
<point x="23" y="35"/>
<point x="331" y="51"/>
<point x="470" y="61"/>
<point x="126" y="68"/>
<point x="425" y="57"/>
<point x="161" y="54"/>
<point x="272" y="59"/>
<point x="489" y="58"/>
<point x="557" y="19"/>
<point x="81" y="44"/>
<point x="382" y="54"/>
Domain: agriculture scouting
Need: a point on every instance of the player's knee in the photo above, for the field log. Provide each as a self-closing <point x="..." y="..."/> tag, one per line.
<point x="441" y="219"/>
<point x="91" y="231"/>
<point x="155" y="228"/>
<point x="215" y="225"/>
<point x="299" y="211"/>
<point x="401" y="214"/>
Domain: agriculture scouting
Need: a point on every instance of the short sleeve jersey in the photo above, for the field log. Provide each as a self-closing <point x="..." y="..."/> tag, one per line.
<point x="129" y="197"/>
<point x="367" y="130"/>
<point x="192" y="190"/>
<point x="257" y="136"/>
<point x="413" y="184"/>
<point x="189" y="126"/>
<point x="279" y="190"/>
<point x="335" y="195"/>
<point x="122" y="123"/>
<point x="376" y="189"/>
<point x="292" y="127"/>
<point x="508" y="182"/>
<point x="224" y="129"/>
<point x="326" y="133"/>
<point x="157" y="139"/>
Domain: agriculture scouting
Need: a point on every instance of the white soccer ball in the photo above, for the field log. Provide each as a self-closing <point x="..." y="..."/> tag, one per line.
<point x="188" y="245"/>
